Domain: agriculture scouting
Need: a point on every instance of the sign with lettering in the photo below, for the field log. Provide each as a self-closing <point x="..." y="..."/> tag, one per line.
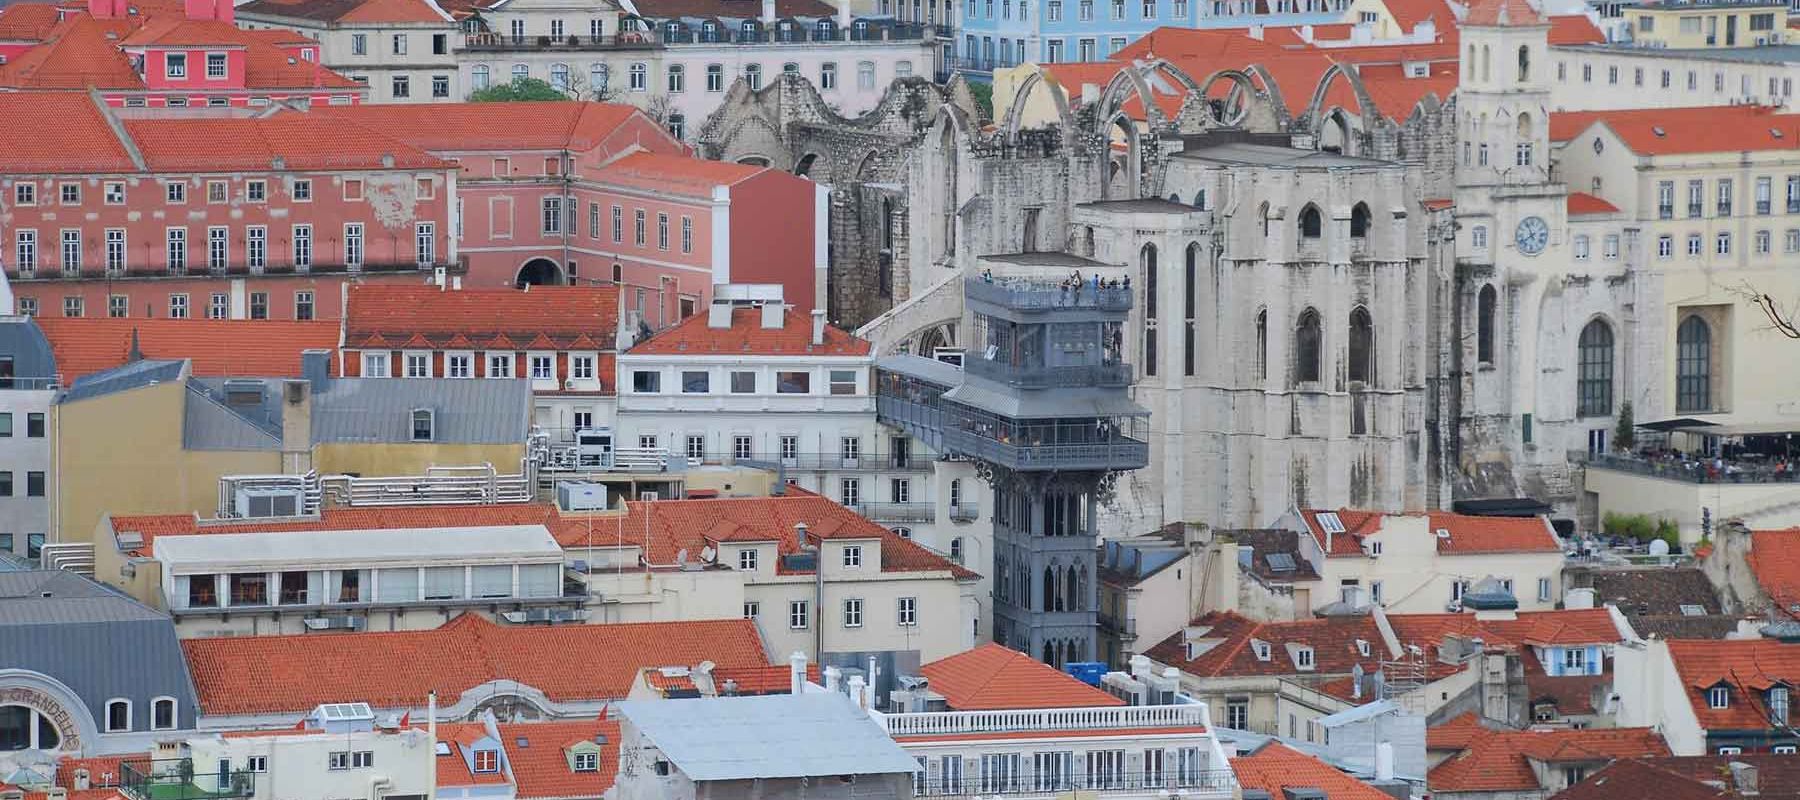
<point x="46" y="705"/>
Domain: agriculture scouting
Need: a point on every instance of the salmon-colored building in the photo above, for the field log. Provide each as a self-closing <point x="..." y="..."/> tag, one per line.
<point x="561" y="192"/>
<point x="104" y="214"/>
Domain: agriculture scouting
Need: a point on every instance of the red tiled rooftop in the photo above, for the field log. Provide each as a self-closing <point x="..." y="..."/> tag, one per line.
<point x="1500" y="761"/>
<point x="348" y="11"/>
<point x="1584" y="203"/>
<point x="1566" y="29"/>
<point x="282" y="674"/>
<point x="80" y="142"/>
<point x="992" y="677"/>
<point x="217" y="348"/>
<point x="1454" y="734"/>
<point x="688" y="176"/>
<point x="1675" y="131"/>
<point x="567" y="317"/>
<point x="1527" y="628"/>
<point x="1276" y="767"/>
<point x="537" y="753"/>
<point x="28" y="22"/>
<point x="1775" y="560"/>
<point x="1333" y="639"/>
<point x="1748" y="667"/>
<point x="1635" y="779"/>
<point x="295" y="140"/>
<point x="472" y="127"/>
<point x="1468" y="534"/>
<point x="1502" y="13"/>
<point x="747" y="336"/>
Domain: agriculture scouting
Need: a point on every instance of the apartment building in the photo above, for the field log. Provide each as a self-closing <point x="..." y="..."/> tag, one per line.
<point x="995" y="35"/>
<point x="399" y="49"/>
<point x="29" y="380"/>
<point x="1696" y="25"/>
<point x="215" y="217"/>
<point x="560" y="193"/>
<point x="165" y="55"/>
<point x="1727" y="697"/>
<point x="560" y="338"/>
<point x="1535" y="763"/>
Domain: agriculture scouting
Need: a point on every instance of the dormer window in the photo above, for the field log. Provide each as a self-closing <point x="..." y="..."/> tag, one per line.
<point x="1778" y="705"/>
<point x="1362" y="647"/>
<point x="215" y="66"/>
<point x="487" y="761"/>
<point x="1303" y="658"/>
<point x="1262" y="650"/>
<point x="175" y="65"/>
<point x="587" y="762"/>
<point x="1718" y="697"/>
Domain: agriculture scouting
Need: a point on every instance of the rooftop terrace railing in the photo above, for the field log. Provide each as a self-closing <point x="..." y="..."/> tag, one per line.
<point x="1696" y="471"/>
<point x="1034" y="294"/>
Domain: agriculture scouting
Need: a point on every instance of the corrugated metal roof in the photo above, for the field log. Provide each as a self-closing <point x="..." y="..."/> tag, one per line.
<point x="444" y="546"/>
<point x="771" y="736"/>
<point x="208" y="424"/>
<point x="463" y="411"/>
<point x="134" y="375"/>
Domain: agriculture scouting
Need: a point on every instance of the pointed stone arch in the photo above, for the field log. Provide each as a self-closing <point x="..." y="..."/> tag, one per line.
<point x="1009" y="126"/>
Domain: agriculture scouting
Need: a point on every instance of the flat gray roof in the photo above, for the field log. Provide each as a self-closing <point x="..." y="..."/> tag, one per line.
<point x="815" y="734"/>
<point x="1045" y="259"/>
<point x="214" y="552"/>
<point x="1766" y="54"/>
<point x="1262" y="155"/>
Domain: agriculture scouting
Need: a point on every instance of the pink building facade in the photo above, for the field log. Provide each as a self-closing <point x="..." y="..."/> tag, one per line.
<point x="186" y="217"/>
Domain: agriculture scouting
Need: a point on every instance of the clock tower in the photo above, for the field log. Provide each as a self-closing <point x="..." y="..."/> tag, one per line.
<point x="1511" y="234"/>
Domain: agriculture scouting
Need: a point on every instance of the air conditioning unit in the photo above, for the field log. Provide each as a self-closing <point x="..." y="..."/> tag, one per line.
<point x="261" y="503"/>
<point x="343" y="623"/>
<point x="581" y="496"/>
<point x="568" y="384"/>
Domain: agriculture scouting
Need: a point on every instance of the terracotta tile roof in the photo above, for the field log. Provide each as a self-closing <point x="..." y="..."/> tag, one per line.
<point x="1454" y="734"/>
<point x="538" y="755"/>
<point x="688" y="176"/>
<point x="348" y="11"/>
<point x="1570" y="694"/>
<point x="268" y="66"/>
<point x="1472" y="534"/>
<point x="217" y="348"/>
<point x="297" y="140"/>
<point x="748" y="337"/>
<point x="1397" y="93"/>
<point x="79" y="143"/>
<point x="667" y="9"/>
<point x="1633" y="778"/>
<point x="426" y="317"/>
<point x="1438" y="204"/>
<point x="79" y="53"/>
<point x="1528" y="628"/>
<point x="28" y="22"/>
<point x="1713" y="129"/>
<point x="276" y="674"/>
<point x="452" y="769"/>
<point x="1333" y="639"/>
<point x="1748" y="667"/>
<point x="762" y="680"/>
<point x="993" y="677"/>
<point x="1409" y="13"/>
<point x="1568" y="29"/>
<point x="1500" y="761"/>
<point x="1584" y="203"/>
<point x="1653" y="592"/>
<point x="473" y="127"/>
<point x="1775" y="560"/>
<point x="1277" y="767"/>
<point x="1356" y="524"/>
<point x="341" y="519"/>
<point x="178" y="31"/>
<point x="1503" y="13"/>
<point x="1778" y="776"/>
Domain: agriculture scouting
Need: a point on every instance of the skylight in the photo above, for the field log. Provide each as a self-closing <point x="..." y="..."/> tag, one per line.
<point x="1280" y="562"/>
<point x="1690" y="610"/>
<point x="1328" y="520"/>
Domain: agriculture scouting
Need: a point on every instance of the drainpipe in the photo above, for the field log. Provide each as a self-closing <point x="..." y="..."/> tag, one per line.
<point x="570" y="217"/>
<point x="818" y="620"/>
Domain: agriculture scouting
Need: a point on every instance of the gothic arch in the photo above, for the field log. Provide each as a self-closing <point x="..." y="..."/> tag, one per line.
<point x="1366" y="111"/>
<point x="1009" y="126"/>
<point x="1243" y="90"/>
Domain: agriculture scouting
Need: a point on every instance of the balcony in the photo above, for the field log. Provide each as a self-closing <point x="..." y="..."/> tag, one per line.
<point x="832" y="462"/>
<point x="1693" y="471"/>
<point x="501" y="43"/>
<point x="1164" y="782"/>
<point x="1040" y="294"/>
<point x="1052" y="377"/>
<point x="175" y="779"/>
<point x="895" y="512"/>
<point x="964" y="512"/>
<point x="1099" y="718"/>
<point x="30" y="384"/>
<point x="665" y="35"/>
<point x="1063" y="444"/>
<point x="157" y="272"/>
<point x="1114" y="455"/>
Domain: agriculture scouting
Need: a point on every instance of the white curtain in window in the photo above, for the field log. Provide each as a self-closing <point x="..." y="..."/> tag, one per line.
<point x="493" y="581"/>
<point x="540" y="580"/>
<point x="400" y="585"/>
<point x="443" y="583"/>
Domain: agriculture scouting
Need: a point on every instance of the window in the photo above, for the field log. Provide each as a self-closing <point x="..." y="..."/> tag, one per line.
<point x="1478" y="238"/>
<point x="543" y="367"/>
<point x="1574" y="660"/>
<point x="422" y="427"/>
<point x="418" y="365"/>
<point x="1765" y="195"/>
<point x="618" y="226"/>
<point x="796" y="382"/>
<point x="1362" y="346"/>
<point x="687" y="234"/>
<point x="743" y="382"/>
<point x="219" y="306"/>
<point x="1693" y="372"/>
<point x="178" y="306"/>
<point x="359" y="44"/>
<point x="175" y="65"/>
<point x="852" y="556"/>
<point x="118" y="715"/>
<point x="71" y="251"/>
<point x="797" y="613"/>
<point x="256" y="246"/>
<point x="587" y="762"/>
<point x="353" y="244"/>
<point x="425" y="242"/>
<point x="662" y="231"/>
<point x="1696" y="199"/>
<point x="73" y="306"/>
<point x="1722" y="244"/>
<point x="6" y="483"/>
<point x="865" y="75"/>
<point x="639" y="77"/>
<point x="1665" y="200"/>
<point x="1543" y="590"/>
<point x="459" y="365"/>
<point x="1764" y="242"/>
<point x="117" y="305"/>
<point x="843" y="381"/>
<point x="28" y="306"/>
<point x="1609" y="247"/>
<point x="853" y="608"/>
<point x="1695" y="245"/>
<point x="747" y="560"/>
<point x="303" y="246"/>
<point x="375" y="365"/>
<point x="259" y="305"/>
<point x="162" y="714"/>
<point x="1790" y="241"/>
<point x="1724" y="197"/>
<point x="1718" y="697"/>
<point x="850" y="491"/>
<point x="645" y="381"/>
<point x="337" y="760"/>
<point x="908" y="611"/>
<point x="302" y="192"/>
<point x="753" y="76"/>
<point x="1306" y="347"/>
<point x="500" y="365"/>
<point x="487" y="761"/>
<point x="114" y="194"/>
<point x="25" y="194"/>
<point x="581" y="368"/>
<point x="115" y="252"/>
<point x="26" y="252"/>
<point x="440" y="85"/>
<point x="1665" y="246"/>
<point x="552" y="216"/>
<point x="639" y="227"/>
<point x="677" y="78"/>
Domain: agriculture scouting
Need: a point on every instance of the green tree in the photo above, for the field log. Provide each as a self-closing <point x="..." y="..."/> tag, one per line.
<point x="983" y="92"/>
<point x="1626" y="435"/>
<point x="519" y="90"/>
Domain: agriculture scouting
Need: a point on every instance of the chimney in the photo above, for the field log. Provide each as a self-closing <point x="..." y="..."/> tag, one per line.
<point x="1384" y="761"/>
<point x="718" y="315"/>
<point x="1744" y="778"/>
<point x="773" y="314"/>
<point x="197" y="9"/>
<point x="703" y="679"/>
<point x="797" y="672"/>
<point x="225" y="11"/>
<point x="315" y="367"/>
<point x="843" y="18"/>
<point x="296" y="425"/>
<point x="818" y="318"/>
<point x="832" y="676"/>
<point x="1140" y="666"/>
<point x="856" y="691"/>
<point x="768" y="12"/>
<point x="1578" y="598"/>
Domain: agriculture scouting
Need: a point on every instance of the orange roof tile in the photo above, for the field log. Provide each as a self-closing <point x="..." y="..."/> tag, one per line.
<point x="1674" y="131"/>
<point x="1468" y="534"/>
<point x="28" y="22"/>
<point x="689" y="176"/>
<point x="469" y="127"/>
<point x="79" y="53"/>
<point x="296" y="140"/>
<point x="1584" y="203"/>
<point x="747" y="336"/>
<point x="992" y="677"/>
<point x="80" y="142"/>
<point x="217" y="348"/>
<point x="1775" y="560"/>
<point x="1748" y="667"/>
<point x="1277" y="767"/>
<point x="537" y="753"/>
<point x="1333" y="640"/>
<point x="1409" y="13"/>
<point x="1454" y="734"/>
<point x="275" y="674"/>
<point x="1568" y="29"/>
<point x="1502" y="14"/>
<point x="348" y="11"/>
<point x="379" y="315"/>
<point x="1527" y="628"/>
<point x="1631" y="779"/>
<point x="1500" y="761"/>
<point x="178" y="31"/>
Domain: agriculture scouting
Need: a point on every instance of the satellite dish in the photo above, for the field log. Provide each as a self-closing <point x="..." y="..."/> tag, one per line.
<point x="707" y="554"/>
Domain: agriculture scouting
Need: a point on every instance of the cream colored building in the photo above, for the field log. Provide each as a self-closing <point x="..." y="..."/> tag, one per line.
<point x="1706" y="24"/>
<point x="1422" y="563"/>
<point x="1619" y="76"/>
<point x="401" y="49"/>
<point x="340" y="753"/>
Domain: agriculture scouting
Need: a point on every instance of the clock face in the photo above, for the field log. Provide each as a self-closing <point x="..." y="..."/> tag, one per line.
<point x="1532" y="235"/>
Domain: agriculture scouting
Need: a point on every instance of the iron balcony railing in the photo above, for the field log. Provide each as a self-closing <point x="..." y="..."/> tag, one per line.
<point x="964" y="512"/>
<point x="32" y="383"/>
<point x="1058" y="783"/>
<point x="958" y="436"/>
<point x="175" y="779"/>
<point x="664" y="35"/>
<point x="874" y="462"/>
<point x="1031" y="294"/>
<point x="1046" y="377"/>
<point x="895" y="512"/>
<point x="1696" y="471"/>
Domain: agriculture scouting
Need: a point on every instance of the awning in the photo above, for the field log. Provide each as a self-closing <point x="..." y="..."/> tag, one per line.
<point x="1501" y="507"/>
<point x="1677" y="424"/>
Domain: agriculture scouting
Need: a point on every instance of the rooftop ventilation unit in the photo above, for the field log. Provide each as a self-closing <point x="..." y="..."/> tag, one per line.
<point x="545" y="616"/>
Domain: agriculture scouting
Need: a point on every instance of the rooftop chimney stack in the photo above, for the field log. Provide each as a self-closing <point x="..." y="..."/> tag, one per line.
<point x="856" y="691"/>
<point x="818" y="319"/>
<point x="797" y="672"/>
<point x="718" y="315"/>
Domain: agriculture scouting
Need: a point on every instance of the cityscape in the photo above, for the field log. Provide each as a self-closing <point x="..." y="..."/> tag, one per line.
<point x="874" y="400"/>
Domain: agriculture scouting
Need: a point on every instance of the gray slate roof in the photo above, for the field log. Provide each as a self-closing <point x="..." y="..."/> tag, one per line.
<point x="23" y="340"/>
<point x="123" y="378"/>
<point x="770" y="736"/>
<point x="464" y="411"/>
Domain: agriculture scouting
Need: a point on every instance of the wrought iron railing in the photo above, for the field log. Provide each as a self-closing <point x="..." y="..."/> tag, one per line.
<point x="1073" y="783"/>
<point x="1696" y="471"/>
<point x="895" y="512"/>
<point x="1033" y="294"/>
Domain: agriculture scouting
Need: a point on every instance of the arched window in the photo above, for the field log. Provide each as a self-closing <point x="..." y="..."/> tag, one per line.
<point x="118" y="715"/>
<point x="559" y="77"/>
<point x="677" y="78"/>
<point x="520" y="72"/>
<point x="1262" y="345"/>
<point x="902" y="532"/>
<point x="1594" y="383"/>
<point x="1050" y="652"/>
<point x="1188" y="307"/>
<point x="1524" y="63"/>
<point x="640" y="77"/>
<point x="678" y="125"/>
<point x="1362" y="346"/>
<point x="1307" y="338"/>
<point x="1523" y="142"/>
<point x="1359" y="220"/>
<point x="598" y="78"/>
<point x="24" y="728"/>
<point x="1081" y="590"/>
<point x="1147" y="260"/>
<point x="1484" y="62"/>
<point x="1693" y="365"/>
<point x="1051" y="597"/>
<point x="162" y="714"/>
<point x="1200" y="199"/>
<point x="1071" y="602"/>
<point x="753" y="76"/>
<point x="478" y="77"/>
<point x="1312" y="223"/>
<point x="1484" y="325"/>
